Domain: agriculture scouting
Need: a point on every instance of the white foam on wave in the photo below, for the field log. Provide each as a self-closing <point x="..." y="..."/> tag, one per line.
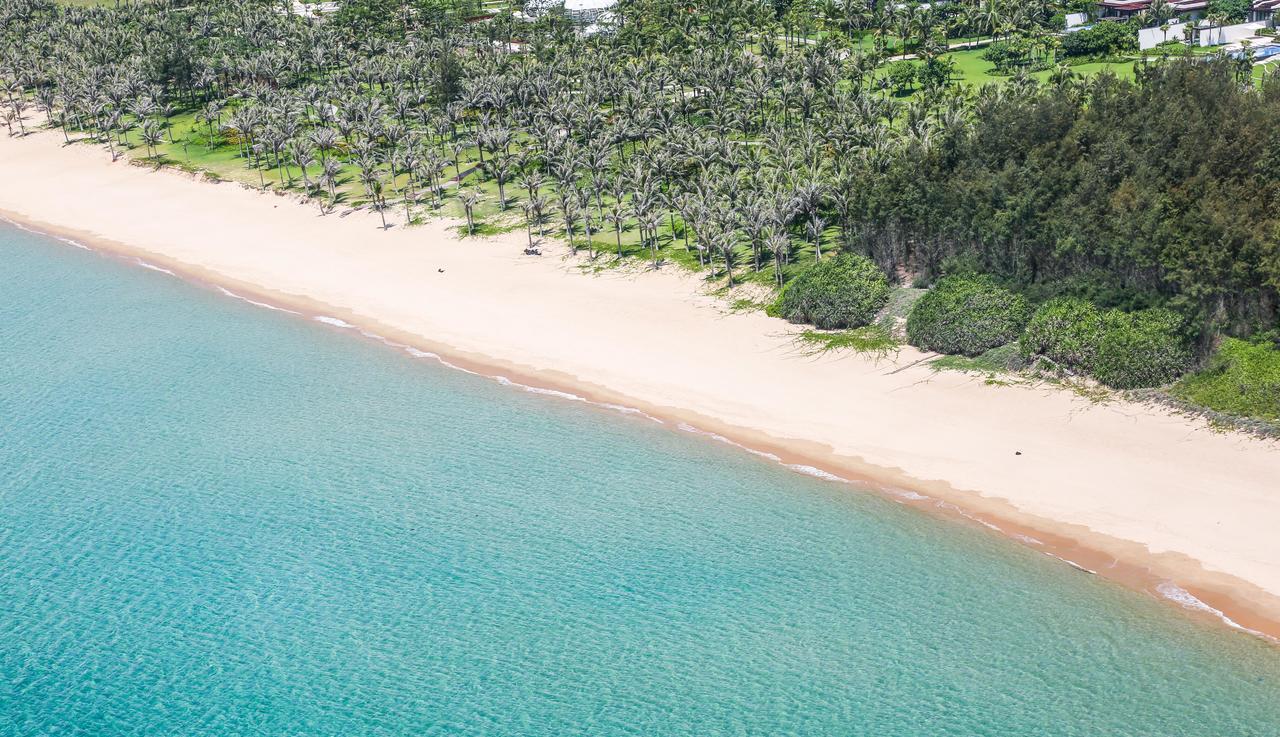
<point x="907" y="494"/>
<point x="686" y="427"/>
<point x="539" y="390"/>
<point x="255" y="303"/>
<point x="631" y="411"/>
<point x="817" y="473"/>
<point x="1071" y="563"/>
<point x="19" y="225"/>
<point x="969" y="515"/>
<point x="1027" y="539"/>
<point x="74" y="242"/>
<point x="1180" y="596"/>
<point x="416" y="353"/>
<point x="153" y="267"/>
<point x="335" y="322"/>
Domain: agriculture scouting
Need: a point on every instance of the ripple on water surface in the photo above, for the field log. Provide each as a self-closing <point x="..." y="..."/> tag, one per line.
<point x="217" y="519"/>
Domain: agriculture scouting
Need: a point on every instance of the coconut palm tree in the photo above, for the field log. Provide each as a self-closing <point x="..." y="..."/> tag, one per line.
<point x="469" y="199"/>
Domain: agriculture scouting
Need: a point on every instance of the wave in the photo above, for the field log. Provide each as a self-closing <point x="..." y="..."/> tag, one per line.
<point x="686" y="427"/>
<point x="539" y="390"/>
<point x="1072" y="563"/>
<point x="909" y="495"/>
<point x="255" y="303"/>
<point x="335" y="322"/>
<point x="1175" y="593"/>
<point x="817" y="473"/>
<point x="68" y="241"/>
<point x="153" y="267"/>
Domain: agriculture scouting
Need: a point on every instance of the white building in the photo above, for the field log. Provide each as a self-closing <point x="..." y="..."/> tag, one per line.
<point x="583" y="12"/>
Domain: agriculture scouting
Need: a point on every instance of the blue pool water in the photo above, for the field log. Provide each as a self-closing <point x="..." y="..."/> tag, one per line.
<point x="220" y="520"/>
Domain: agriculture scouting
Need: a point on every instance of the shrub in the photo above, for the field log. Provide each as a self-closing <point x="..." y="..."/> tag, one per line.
<point x="1103" y="38"/>
<point x="844" y="291"/>
<point x="966" y="315"/>
<point x="1124" y="350"/>
<point x="1066" y="330"/>
<point x="1141" y="349"/>
<point x="902" y="74"/>
<point x="1242" y="378"/>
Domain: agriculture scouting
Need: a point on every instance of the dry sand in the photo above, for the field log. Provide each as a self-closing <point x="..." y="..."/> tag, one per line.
<point x="1137" y="494"/>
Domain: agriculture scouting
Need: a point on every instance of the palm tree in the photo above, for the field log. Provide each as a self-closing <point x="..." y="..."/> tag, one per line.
<point x="152" y="136"/>
<point x="330" y="170"/>
<point x="618" y="217"/>
<point x="469" y="199"/>
<point x="302" y="154"/>
<point x="779" y="244"/>
<point x="500" y="165"/>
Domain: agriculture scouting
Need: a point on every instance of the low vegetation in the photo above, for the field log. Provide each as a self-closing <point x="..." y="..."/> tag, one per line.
<point x="966" y="315"/>
<point x="1241" y="379"/>
<point x="875" y="340"/>
<point x="1065" y="331"/>
<point x="1141" y="349"/>
<point x="1124" y="350"/>
<point x="845" y="291"/>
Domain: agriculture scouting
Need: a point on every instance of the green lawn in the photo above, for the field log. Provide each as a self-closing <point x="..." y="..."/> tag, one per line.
<point x="974" y="71"/>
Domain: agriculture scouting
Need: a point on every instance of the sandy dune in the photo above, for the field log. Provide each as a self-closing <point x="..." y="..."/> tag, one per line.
<point x="1134" y="493"/>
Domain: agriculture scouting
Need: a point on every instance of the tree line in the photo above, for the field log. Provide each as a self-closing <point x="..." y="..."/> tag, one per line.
<point x="743" y="136"/>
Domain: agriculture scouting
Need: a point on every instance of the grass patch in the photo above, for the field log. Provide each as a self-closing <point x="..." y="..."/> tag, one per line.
<point x="999" y="360"/>
<point x="874" y="340"/>
<point x="745" y="304"/>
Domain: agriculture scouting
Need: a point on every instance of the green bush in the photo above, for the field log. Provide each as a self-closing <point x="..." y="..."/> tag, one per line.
<point x="1103" y="38"/>
<point x="966" y="315"/>
<point x="1124" y="350"/>
<point x="1066" y="330"/>
<point x="1242" y="378"/>
<point x="902" y="74"/>
<point x="844" y="291"/>
<point x="1141" y="349"/>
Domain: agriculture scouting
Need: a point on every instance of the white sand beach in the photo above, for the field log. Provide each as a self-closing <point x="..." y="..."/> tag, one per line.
<point x="1136" y="494"/>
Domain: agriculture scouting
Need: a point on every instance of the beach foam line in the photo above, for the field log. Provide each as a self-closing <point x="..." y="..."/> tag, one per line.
<point x="335" y="322"/>
<point x="1175" y="593"/>
<point x="907" y="494"/>
<point x="503" y="380"/>
<point x="686" y="427"/>
<point x="153" y="267"/>
<point x="253" y="302"/>
<point x="817" y="473"/>
<point x="539" y="390"/>
<point x="72" y="242"/>
<point x="418" y="353"/>
<point x="1072" y="563"/>
<point x="69" y="241"/>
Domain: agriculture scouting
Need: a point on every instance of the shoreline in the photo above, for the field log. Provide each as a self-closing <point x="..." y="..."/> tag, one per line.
<point x="1172" y="575"/>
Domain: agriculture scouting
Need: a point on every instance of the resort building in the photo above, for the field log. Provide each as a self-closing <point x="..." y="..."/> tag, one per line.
<point x="582" y="12"/>
<point x="1263" y="11"/>
<point x="1128" y="8"/>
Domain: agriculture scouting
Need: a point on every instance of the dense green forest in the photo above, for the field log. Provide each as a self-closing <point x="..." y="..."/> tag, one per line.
<point x="747" y="138"/>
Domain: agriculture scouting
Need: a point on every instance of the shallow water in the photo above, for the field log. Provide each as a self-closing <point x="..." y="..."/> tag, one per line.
<point x="219" y="519"/>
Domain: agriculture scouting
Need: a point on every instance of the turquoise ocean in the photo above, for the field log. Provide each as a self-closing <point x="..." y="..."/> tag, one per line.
<point x="219" y="519"/>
